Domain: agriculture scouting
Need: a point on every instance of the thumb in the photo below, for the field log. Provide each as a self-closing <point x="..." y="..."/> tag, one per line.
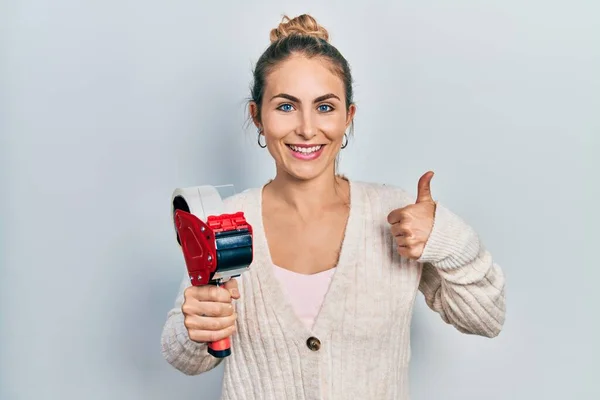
<point x="232" y="286"/>
<point x="424" y="188"/>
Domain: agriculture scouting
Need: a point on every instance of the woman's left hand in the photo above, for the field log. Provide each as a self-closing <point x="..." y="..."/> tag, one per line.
<point x="412" y="225"/>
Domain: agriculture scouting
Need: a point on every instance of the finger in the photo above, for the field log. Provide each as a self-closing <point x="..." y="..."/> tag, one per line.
<point x="412" y="252"/>
<point x="404" y="251"/>
<point x="400" y="230"/>
<point x="402" y="241"/>
<point x="232" y="286"/>
<point x="407" y="240"/>
<point x="393" y="217"/>
<point x="207" y="308"/>
<point x="424" y="188"/>
<point x="208" y="293"/>
<point x="202" y="336"/>
<point x="396" y="216"/>
<point x="199" y="323"/>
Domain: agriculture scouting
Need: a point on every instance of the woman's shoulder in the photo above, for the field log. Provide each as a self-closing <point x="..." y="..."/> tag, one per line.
<point x="242" y="201"/>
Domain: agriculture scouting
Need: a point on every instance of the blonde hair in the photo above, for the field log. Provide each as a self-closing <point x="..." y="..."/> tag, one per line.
<point x="303" y="25"/>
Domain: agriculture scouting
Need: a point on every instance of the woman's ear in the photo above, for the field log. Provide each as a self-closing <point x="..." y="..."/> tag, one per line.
<point x="350" y="115"/>
<point x="254" y="113"/>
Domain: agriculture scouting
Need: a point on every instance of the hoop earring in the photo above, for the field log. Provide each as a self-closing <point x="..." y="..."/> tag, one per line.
<point x="345" y="143"/>
<point x="260" y="144"/>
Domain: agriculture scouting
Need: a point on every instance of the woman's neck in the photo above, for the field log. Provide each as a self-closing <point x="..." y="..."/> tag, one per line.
<point x="308" y="197"/>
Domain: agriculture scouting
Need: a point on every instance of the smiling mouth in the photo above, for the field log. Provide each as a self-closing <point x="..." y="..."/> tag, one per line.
<point x="305" y="149"/>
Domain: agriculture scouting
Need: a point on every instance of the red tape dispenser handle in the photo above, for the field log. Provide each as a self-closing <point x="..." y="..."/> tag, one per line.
<point x="214" y="252"/>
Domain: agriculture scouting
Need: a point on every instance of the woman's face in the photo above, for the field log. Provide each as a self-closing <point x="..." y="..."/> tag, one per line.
<point x="304" y="117"/>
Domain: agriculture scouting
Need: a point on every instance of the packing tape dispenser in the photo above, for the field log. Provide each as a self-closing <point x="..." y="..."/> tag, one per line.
<point x="216" y="246"/>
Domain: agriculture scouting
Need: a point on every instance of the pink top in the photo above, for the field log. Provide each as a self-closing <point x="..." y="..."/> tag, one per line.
<point x="305" y="292"/>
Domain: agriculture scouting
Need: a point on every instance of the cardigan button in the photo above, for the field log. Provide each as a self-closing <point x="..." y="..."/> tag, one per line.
<point x="313" y="343"/>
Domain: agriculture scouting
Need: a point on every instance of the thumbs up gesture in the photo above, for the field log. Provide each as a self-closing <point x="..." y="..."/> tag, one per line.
<point x="412" y="225"/>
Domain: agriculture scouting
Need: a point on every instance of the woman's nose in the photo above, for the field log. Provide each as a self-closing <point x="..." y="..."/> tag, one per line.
<point x="307" y="128"/>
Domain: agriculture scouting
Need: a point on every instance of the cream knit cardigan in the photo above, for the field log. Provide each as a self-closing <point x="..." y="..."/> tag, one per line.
<point x="359" y="346"/>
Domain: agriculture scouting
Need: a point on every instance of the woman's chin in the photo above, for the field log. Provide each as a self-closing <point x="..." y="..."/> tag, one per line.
<point x="306" y="171"/>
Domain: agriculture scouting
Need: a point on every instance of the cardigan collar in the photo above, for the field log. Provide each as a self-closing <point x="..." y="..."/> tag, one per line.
<point x="332" y="308"/>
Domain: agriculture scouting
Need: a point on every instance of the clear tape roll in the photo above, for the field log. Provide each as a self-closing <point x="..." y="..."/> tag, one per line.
<point x="201" y="201"/>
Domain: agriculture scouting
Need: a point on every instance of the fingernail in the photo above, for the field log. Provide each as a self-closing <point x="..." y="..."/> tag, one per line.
<point x="234" y="292"/>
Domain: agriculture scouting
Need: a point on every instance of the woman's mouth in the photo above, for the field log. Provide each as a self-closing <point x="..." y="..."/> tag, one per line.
<point x="305" y="152"/>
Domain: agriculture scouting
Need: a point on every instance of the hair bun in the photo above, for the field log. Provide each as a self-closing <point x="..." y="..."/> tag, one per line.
<point x="303" y="25"/>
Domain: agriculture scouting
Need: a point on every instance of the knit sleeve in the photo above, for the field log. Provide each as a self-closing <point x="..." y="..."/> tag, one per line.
<point x="178" y="349"/>
<point x="460" y="279"/>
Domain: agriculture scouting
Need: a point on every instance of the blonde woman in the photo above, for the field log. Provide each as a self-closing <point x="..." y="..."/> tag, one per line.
<point x="325" y="310"/>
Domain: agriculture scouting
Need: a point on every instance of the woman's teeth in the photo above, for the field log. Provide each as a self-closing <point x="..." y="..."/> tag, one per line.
<point x="305" y="150"/>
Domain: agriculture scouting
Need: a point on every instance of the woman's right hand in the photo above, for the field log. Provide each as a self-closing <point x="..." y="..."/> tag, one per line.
<point x="208" y="310"/>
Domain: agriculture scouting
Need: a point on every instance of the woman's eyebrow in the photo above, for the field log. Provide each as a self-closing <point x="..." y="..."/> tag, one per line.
<point x="297" y="100"/>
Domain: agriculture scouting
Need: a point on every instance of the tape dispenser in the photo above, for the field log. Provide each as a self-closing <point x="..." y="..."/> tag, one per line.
<point x="216" y="246"/>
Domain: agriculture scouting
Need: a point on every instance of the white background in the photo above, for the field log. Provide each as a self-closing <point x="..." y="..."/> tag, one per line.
<point x="107" y="106"/>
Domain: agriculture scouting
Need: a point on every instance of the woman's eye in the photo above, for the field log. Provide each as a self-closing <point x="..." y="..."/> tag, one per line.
<point x="285" y="107"/>
<point x="325" y="108"/>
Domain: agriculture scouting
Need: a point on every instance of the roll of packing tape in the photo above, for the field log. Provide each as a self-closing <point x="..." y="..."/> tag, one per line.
<point x="201" y="201"/>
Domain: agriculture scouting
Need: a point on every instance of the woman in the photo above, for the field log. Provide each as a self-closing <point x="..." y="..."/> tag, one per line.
<point x="324" y="311"/>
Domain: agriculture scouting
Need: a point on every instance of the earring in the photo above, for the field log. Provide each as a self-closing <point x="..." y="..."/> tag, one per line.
<point x="345" y="142"/>
<point x="259" y="136"/>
